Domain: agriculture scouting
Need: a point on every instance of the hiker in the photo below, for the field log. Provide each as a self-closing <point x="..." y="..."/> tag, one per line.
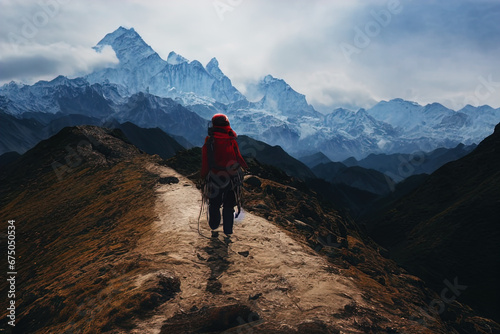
<point x="221" y="169"/>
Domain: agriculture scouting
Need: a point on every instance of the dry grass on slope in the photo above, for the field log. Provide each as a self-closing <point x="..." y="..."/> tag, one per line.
<point x="72" y="243"/>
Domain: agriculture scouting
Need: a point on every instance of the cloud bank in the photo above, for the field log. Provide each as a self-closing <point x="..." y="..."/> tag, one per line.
<point x="30" y="63"/>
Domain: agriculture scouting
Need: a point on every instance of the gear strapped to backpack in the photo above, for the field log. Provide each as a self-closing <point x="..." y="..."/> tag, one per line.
<point x="222" y="153"/>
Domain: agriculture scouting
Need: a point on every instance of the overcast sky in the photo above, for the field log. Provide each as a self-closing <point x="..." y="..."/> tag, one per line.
<point x="338" y="53"/>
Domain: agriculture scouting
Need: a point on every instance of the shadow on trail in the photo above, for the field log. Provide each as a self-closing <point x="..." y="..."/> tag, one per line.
<point x="218" y="263"/>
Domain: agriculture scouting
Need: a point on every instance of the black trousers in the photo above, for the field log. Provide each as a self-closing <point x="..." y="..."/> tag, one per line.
<point x="222" y="196"/>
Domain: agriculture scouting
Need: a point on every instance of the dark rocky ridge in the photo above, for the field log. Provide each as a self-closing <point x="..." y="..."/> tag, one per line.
<point x="449" y="227"/>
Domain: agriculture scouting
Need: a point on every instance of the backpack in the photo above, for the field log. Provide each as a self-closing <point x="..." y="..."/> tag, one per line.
<point x="222" y="152"/>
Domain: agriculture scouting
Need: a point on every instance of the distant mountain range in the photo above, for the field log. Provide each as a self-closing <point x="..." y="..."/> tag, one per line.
<point x="379" y="173"/>
<point x="26" y="133"/>
<point x="357" y="177"/>
<point x="179" y="96"/>
<point x="400" y="166"/>
<point x="274" y="156"/>
<point x="20" y="132"/>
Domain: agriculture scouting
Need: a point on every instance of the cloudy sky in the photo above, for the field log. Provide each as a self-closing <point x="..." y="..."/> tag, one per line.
<point x="338" y="53"/>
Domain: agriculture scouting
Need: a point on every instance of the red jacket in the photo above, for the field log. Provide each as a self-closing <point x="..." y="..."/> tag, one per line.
<point x="225" y="152"/>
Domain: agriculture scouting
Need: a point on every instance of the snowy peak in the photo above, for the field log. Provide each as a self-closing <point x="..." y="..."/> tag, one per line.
<point x="279" y="96"/>
<point x="175" y="59"/>
<point x="112" y="36"/>
<point x="62" y="80"/>
<point x="476" y="111"/>
<point x="268" y="79"/>
<point x="269" y="83"/>
<point x="398" y="113"/>
<point x="141" y="69"/>
<point x="436" y="108"/>
<point x="385" y="109"/>
<point x="12" y="85"/>
<point x="402" y="113"/>
<point x="214" y="70"/>
<point x="127" y="44"/>
<point x="357" y="123"/>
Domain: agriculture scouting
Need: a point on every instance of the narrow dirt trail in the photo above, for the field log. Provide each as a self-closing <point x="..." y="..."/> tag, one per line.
<point x="265" y="268"/>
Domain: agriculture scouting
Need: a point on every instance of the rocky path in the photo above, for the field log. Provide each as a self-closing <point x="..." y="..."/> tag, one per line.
<point x="264" y="270"/>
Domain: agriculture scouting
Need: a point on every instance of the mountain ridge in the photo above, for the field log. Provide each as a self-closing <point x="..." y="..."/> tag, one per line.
<point x="456" y="207"/>
<point x="400" y="166"/>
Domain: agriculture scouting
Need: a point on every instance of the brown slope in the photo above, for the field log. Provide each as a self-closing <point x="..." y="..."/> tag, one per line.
<point x="450" y="227"/>
<point x="74" y="234"/>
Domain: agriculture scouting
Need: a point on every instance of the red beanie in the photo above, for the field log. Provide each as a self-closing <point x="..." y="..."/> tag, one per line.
<point x="220" y="120"/>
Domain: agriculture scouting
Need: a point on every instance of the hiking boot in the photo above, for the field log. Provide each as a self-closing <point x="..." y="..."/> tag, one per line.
<point x="215" y="234"/>
<point x="227" y="239"/>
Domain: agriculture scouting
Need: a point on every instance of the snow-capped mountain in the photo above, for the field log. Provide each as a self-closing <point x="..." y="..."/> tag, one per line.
<point x="58" y="95"/>
<point x="142" y="69"/>
<point x="355" y="123"/>
<point x="434" y="121"/>
<point x="281" y="117"/>
<point x="175" y="59"/>
<point x="62" y="100"/>
<point x="144" y="88"/>
<point x="280" y="98"/>
<point x="398" y="112"/>
<point x="415" y="121"/>
<point x="480" y="119"/>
